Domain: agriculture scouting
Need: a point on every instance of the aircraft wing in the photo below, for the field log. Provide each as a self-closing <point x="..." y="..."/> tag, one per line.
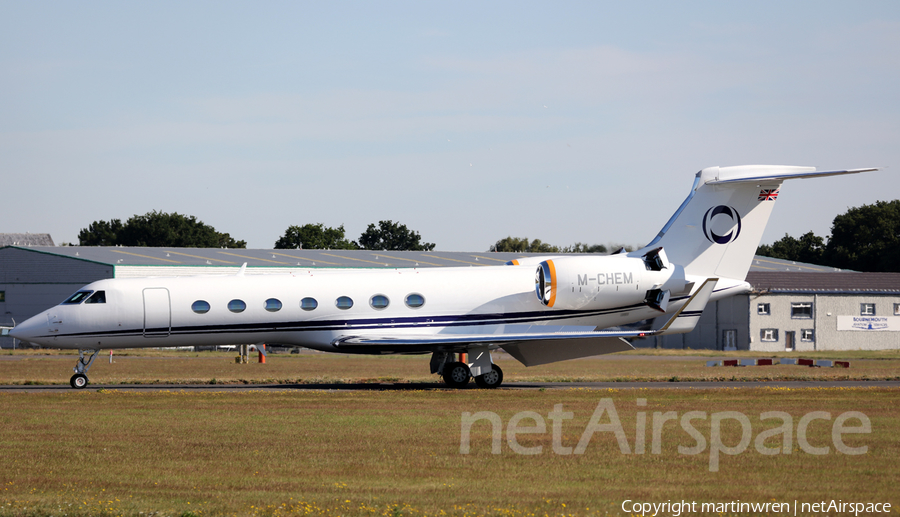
<point x="535" y="345"/>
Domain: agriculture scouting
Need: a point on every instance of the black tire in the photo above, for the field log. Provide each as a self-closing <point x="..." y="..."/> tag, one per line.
<point x="456" y="375"/>
<point x="78" y="381"/>
<point x="492" y="379"/>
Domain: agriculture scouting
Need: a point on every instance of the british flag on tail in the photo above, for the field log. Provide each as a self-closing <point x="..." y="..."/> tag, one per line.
<point x="768" y="194"/>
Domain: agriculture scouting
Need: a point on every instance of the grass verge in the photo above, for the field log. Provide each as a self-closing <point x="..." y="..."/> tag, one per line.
<point x="399" y="453"/>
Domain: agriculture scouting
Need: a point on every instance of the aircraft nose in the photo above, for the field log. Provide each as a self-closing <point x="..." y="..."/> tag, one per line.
<point x="30" y="329"/>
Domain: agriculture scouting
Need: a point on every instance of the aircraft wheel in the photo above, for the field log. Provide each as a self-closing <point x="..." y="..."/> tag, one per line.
<point x="491" y="379"/>
<point x="78" y="381"/>
<point x="456" y="375"/>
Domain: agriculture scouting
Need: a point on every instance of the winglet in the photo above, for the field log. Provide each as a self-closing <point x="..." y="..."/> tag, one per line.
<point x="686" y="318"/>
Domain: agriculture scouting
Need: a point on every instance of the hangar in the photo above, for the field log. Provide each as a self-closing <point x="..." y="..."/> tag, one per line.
<point x="792" y="306"/>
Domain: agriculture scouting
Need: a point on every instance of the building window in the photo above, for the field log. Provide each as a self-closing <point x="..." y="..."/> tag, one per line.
<point x="806" y="335"/>
<point x="763" y="309"/>
<point x="801" y="310"/>
<point x="768" y="335"/>
<point x="867" y="309"/>
<point x="200" y="307"/>
<point x="237" y="306"/>
<point x="897" y="309"/>
<point x="273" y="305"/>
<point x="3" y="296"/>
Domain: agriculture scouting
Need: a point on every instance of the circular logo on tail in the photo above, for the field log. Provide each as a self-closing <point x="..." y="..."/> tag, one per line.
<point x="722" y="217"/>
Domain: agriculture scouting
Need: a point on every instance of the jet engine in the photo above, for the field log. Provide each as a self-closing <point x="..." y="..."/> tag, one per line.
<point x="609" y="281"/>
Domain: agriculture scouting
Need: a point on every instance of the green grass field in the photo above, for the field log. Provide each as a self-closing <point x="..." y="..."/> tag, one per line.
<point x="154" y="366"/>
<point x="311" y="452"/>
<point x="398" y="453"/>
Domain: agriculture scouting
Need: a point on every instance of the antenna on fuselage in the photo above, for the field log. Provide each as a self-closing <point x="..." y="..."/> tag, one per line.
<point x="242" y="270"/>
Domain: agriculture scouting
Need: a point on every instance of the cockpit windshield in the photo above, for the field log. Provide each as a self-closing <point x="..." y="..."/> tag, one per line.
<point x="77" y="298"/>
<point x="97" y="297"/>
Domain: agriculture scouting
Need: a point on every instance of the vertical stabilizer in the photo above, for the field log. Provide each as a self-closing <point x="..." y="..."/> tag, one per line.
<point x="717" y="229"/>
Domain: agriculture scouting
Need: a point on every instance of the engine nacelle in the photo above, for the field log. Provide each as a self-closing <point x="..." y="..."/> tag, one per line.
<point x="609" y="281"/>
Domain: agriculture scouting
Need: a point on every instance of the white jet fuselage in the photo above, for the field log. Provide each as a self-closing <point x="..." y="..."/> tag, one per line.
<point x="159" y="312"/>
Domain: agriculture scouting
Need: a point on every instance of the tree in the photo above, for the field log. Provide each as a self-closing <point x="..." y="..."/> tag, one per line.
<point x="392" y="236"/>
<point x="315" y="237"/>
<point x="866" y="238"/>
<point x="157" y="229"/>
<point x="522" y="245"/>
<point x="100" y="233"/>
<point x="809" y="248"/>
<point x="580" y="247"/>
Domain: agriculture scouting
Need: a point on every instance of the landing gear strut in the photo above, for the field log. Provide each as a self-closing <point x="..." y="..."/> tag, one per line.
<point x="80" y="380"/>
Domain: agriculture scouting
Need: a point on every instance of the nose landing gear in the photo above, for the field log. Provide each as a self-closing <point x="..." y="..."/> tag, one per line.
<point x="80" y="380"/>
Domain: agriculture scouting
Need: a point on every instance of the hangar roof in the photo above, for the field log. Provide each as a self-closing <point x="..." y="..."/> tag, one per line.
<point x="26" y="239"/>
<point x="825" y="283"/>
<point x="125" y="256"/>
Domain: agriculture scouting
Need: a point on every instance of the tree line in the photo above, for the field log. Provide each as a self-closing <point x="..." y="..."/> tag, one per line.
<point x="865" y="238"/>
<point x="160" y="229"/>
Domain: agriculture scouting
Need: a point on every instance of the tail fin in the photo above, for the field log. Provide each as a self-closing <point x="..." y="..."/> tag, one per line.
<point x="716" y="230"/>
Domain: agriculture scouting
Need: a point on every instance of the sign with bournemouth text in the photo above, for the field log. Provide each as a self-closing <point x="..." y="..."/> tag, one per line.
<point x="869" y="323"/>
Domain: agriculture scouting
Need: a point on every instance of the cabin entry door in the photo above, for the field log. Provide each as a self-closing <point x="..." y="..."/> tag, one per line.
<point x="157" y="312"/>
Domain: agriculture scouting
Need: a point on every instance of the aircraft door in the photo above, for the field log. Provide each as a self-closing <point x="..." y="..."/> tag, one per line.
<point x="157" y="312"/>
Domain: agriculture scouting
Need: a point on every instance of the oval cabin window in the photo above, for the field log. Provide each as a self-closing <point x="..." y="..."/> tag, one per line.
<point x="414" y="301"/>
<point x="237" y="306"/>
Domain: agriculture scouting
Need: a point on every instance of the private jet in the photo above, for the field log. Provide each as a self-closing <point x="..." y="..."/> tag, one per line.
<point x="538" y="309"/>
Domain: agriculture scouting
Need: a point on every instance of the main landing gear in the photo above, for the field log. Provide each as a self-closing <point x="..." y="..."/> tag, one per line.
<point x="80" y="380"/>
<point x="456" y="374"/>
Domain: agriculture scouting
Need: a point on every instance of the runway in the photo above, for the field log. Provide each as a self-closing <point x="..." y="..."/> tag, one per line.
<point x="440" y="386"/>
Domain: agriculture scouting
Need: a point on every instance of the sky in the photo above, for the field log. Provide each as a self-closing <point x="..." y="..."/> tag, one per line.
<point x="466" y="121"/>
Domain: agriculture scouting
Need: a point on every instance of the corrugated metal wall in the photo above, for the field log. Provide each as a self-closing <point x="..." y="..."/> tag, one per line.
<point x="18" y="265"/>
<point x="33" y="281"/>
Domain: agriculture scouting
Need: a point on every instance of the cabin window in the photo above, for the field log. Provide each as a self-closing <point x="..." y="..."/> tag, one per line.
<point x="801" y="310"/>
<point x="867" y="309"/>
<point x="273" y="305"/>
<point x="237" y="306"/>
<point x="379" y="301"/>
<point x="308" y="304"/>
<point x="414" y="301"/>
<point x="77" y="297"/>
<point x="344" y="303"/>
<point x="768" y="335"/>
<point x="200" y="307"/>
<point x="97" y="297"/>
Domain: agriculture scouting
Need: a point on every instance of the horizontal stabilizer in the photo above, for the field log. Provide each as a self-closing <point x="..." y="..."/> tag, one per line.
<point x="780" y="175"/>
